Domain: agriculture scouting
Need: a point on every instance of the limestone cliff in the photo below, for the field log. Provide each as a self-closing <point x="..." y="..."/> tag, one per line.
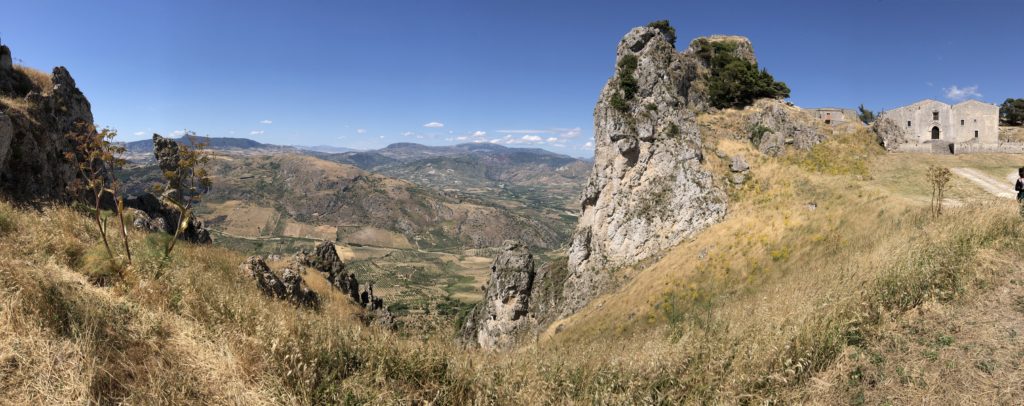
<point x="503" y="315"/>
<point x="36" y="113"/>
<point x="648" y="189"/>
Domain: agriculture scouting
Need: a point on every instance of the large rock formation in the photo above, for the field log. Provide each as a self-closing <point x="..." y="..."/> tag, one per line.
<point x="502" y="316"/>
<point x="890" y="135"/>
<point x="153" y="215"/>
<point x="648" y="190"/>
<point x="775" y="124"/>
<point x="324" y="258"/>
<point x="288" y="287"/>
<point x="35" y="117"/>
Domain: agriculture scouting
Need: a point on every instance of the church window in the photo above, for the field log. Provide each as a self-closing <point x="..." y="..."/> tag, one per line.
<point x="935" y="115"/>
<point x="975" y="133"/>
<point x="908" y="123"/>
<point x="961" y="122"/>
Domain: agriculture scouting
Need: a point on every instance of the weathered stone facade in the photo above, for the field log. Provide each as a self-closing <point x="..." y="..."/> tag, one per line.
<point x="833" y="115"/>
<point x="928" y="124"/>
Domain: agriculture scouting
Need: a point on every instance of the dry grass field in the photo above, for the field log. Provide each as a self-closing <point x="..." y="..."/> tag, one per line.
<point x="828" y="283"/>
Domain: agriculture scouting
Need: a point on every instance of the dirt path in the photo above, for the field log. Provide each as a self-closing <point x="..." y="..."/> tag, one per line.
<point x="997" y="187"/>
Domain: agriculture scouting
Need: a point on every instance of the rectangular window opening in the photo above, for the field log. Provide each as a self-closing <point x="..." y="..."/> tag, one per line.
<point x="961" y="122"/>
<point x="975" y="133"/>
<point x="935" y="115"/>
<point x="908" y="124"/>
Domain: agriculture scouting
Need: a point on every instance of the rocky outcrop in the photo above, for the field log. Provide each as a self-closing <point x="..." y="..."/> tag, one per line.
<point x="774" y="125"/>
<point x="648" y="189"/>
<point x="324" y="258"/>
<point x="153" y="215"/>
<point x="739" y="169"/>
<point x="35" y="118"/>
<point x="501" y="317"/>
<point x="289" y="287"/>
<point x="890" y="135"/>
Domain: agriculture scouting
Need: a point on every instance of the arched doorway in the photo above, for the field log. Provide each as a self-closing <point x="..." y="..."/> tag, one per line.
<point x="935" y="133"/>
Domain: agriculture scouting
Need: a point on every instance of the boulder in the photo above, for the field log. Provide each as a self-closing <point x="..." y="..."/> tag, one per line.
<point x="324" y="258"/>
<point x="498" y="320"/>
<point x="890" y="134"/>
<point x="775" y="124"/>
<point x="159" y="216"/>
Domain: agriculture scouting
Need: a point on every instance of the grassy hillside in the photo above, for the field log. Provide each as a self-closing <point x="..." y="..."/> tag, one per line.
<point x="828" y="283"/>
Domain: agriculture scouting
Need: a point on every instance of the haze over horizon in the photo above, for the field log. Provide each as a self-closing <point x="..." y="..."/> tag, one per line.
<point x="523" y="74"/>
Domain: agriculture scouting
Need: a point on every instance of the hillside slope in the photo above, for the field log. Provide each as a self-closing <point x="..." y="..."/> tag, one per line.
<point x="302" y="196"/>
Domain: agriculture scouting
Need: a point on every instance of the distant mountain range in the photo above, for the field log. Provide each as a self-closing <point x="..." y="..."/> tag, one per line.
<point x="146" y="146"/>
<point x="542" y="178"/>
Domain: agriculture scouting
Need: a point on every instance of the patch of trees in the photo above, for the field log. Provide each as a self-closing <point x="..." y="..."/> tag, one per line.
<point x="736" y="82"/>
<point x="1011" y="112"/>
<point x="865" y="115"/>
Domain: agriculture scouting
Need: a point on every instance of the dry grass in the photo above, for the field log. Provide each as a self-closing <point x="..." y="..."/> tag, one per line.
<point x="758" y="308"/>
<point x="41" y="80"/>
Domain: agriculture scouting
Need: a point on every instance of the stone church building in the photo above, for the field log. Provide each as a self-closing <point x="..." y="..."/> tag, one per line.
<point x="970" y="123"/>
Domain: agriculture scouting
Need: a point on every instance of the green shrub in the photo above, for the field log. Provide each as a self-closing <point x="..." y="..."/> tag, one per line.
<point x="618" y="103"/>
<point x="627" y="82"/>
<point x="666" y="29"/>
<point x="1011" y="112"/>
<point x="735" y="82"/>
<point x="757" y="132"/>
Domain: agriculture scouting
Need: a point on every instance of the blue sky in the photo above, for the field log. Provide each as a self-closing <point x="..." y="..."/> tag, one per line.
<point x="366" y="74"/>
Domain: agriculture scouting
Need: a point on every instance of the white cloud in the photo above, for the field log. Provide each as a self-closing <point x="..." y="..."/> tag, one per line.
<point x="479" y="133"/>
<point x="957" y="93"/>
<point x="178" y="133"/>
<point x="360" y="131"/>
<point x="562" y="133"/>
<point x="496" y="141"/>
<point x="434" y="124"/>
<point x="588" y="144"/>
<point x="380" y="136"/>
<point x="139" y="133"/>
<point x="408" y="134"/>
<point x="571" y="132"/>
<point x="552" y="139"/>
<point x="266" y="122"/>
<point x="462" y="138"/>
<point x="256" y="132"/>
<point x="531" y="138"/>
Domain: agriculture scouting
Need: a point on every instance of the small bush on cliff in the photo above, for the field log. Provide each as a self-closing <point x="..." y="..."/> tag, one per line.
<point x="627" y="82"/>
<point x="666" y="29"/>
<point x="735" y="82"/>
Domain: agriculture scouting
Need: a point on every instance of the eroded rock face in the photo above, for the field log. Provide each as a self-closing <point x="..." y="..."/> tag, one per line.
<point x="268" y="283"/>
<point x="648" y="190"/>
<point x="890" y="135"/>
<point x="775" y="125"/>
<point x="324" y="258"/>
<point x="288" y="287"/>
<point x="33" y="133"/>
<point x="502" y="316"/>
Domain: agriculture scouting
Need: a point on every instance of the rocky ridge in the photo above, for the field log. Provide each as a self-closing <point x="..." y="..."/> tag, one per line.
<point x="502" y="316"/>
<point x="36" y="113"/>
<point x="648" y="189"/>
